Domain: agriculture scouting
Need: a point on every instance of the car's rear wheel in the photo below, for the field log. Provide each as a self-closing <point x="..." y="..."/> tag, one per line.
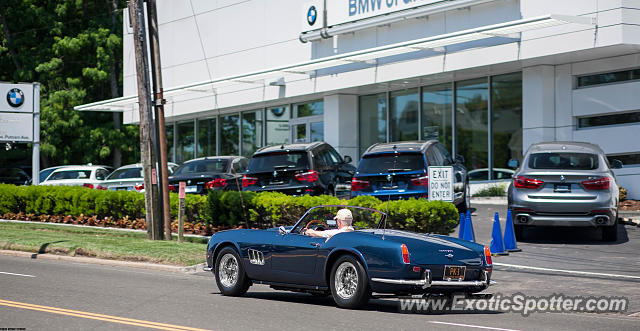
<point x="230" y="275"/>
<point x="519" y="232"/>
<point x="349" y="283"/>
<point x="610" y="233"/>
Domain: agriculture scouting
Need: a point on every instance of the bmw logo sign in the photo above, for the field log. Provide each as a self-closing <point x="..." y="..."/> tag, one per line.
<point x="312" y="15"/>
<point x="279" y="111"/>
<point x="15" y="97"/>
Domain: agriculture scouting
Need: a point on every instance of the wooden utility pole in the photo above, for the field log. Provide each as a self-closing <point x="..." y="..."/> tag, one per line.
<point x="136" y="14"/>
<point x="158" y="102"/>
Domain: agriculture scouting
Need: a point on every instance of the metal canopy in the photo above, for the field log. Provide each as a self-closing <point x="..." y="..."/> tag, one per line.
<point x="508" y="29"/>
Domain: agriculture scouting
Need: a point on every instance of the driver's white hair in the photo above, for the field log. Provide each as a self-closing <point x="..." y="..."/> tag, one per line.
<point x="345" y="216"/>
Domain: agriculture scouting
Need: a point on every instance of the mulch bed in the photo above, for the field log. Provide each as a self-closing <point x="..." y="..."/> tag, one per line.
<point x="628" y="205"/>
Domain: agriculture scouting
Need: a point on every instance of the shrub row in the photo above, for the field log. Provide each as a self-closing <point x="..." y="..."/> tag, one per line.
<point x="218" y="210"/>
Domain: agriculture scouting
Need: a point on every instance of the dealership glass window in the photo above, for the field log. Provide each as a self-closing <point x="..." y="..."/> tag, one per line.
<point x="185" y="143"/>
<point x="317" y="131"/>
<point x="251" y="132"/>
<point x="311" y="108"/>
<point x="613" y="119"/>
<point x="436" y="113"/>
<point x="628" y="160"/>
<point x="403" y="124"/>
<point x="278" y="125"/>
<point x="373" y="120"/>
<point x="229" y="134"/>
<point x="506" y="119"/>
<point x="608" y="77"/>
<point x="471" y="122"/>
<point x="206" y="137"/>
<point x="169" y="133"/>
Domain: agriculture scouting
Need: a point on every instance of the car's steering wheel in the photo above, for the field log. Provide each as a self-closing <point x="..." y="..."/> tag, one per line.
<point x="321" y="225"/>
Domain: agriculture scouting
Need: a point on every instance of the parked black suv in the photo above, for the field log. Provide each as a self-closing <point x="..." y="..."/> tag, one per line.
<point x="399" y="170"/>
<point x="297" y="169"/>
<point x="209" y="173"/>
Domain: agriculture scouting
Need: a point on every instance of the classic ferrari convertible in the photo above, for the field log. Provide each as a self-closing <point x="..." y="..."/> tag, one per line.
<point x="350" y="266"/>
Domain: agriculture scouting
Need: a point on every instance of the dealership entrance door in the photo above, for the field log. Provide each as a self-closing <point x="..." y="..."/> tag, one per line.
<point x="306" y="129"/>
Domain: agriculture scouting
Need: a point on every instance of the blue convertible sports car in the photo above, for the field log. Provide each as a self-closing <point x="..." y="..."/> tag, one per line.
<point x="350" y="266"/>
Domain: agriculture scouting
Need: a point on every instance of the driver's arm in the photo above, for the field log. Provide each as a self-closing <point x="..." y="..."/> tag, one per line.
<point x="312" y="233"/>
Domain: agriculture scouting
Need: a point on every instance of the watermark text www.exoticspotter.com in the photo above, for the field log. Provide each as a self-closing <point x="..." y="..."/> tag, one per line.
<point x="517" y="303"/>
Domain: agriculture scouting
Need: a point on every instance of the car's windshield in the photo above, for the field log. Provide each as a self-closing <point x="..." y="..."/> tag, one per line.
<point x="279" y="161"/>
<point x="70" y="174"/>
<point x="391" y="162"/>
<point x="126" y="173"/>
<point x="321" y="218"/>
<point x="563" y="160"/>
<point x="198" y="166"/>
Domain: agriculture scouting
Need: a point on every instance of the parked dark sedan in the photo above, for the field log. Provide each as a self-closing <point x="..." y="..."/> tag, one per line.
<point x="15" y="176"/>
<point x="298" y="169"/>
<point x="399" y="170"/>
<point x="349" y="266"/>
<point x="210" y="173"/>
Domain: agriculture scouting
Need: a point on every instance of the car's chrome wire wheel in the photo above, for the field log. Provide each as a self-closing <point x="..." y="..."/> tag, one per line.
<point x="228" y="270"/>
<point x="346" y="280"/>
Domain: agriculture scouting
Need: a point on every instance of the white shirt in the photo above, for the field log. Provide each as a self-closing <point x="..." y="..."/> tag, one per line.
<point x="331" y="233"/>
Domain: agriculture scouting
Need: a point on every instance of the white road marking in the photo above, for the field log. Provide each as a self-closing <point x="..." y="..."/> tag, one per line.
<point x="587" y="273"/>
<point x="472" y="326"/>
<point x="12" y="274"/>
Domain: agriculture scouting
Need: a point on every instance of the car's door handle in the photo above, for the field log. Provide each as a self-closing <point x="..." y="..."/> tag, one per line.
<point x="314" y="244"/>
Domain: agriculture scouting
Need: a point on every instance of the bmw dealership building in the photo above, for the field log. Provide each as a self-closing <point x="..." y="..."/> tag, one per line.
<point x="487" y="78"/>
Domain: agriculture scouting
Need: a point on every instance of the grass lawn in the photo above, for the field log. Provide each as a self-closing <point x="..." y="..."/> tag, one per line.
<point x="101" y="243"/>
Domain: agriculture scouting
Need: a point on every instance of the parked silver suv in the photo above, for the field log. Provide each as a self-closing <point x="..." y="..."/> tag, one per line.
<point x="565" y="184"/>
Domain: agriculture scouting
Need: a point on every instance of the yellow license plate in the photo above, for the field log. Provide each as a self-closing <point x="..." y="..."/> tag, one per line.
<point x="454" y="272"/>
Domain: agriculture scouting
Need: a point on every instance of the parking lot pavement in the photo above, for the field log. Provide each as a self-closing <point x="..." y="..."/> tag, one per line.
<point x="574" y="249"/>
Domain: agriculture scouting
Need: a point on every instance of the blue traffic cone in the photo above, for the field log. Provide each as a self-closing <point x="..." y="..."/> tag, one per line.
<point x="510" y="244"/>
<point x="461" y="229"/>
<point x="497" y="246"/>
<point x="468" y="229"/>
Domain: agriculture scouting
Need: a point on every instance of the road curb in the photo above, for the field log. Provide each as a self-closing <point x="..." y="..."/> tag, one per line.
<point x="117" y="263"/>
<point x="489" y="201"/>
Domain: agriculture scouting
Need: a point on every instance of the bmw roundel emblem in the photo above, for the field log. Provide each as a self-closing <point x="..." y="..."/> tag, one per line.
<point x="278" y="111"/>
<point x="312" y="15"/>
<point x="15" y="97"/>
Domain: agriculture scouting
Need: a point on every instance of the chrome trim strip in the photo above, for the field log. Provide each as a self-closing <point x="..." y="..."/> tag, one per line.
<point x="207" y="268"/>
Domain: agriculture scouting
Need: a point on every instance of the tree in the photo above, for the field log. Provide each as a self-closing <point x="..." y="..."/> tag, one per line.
<point x="74" y="49"/>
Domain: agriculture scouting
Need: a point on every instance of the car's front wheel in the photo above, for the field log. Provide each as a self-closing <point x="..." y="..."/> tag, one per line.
<point x="230" y="275"/>
<point x="349" y="283"/>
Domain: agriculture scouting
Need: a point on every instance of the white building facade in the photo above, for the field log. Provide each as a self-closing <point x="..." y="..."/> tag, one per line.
<point x="485" y="77"/>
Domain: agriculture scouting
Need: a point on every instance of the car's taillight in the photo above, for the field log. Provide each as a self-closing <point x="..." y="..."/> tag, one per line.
<point x="139" y="187"/>
<point x="405" y="254"/>
<point x="100" y="187"/>
<point x="357" y="184"/>
<point x="420" y="181"/>
<point x="487" y="255"/>
<point x="248" y="181"/>
<point x="524" y="182"/>
<point x="87" y="185"/>
<point x="172" y="188"/>
<point x="309" y="176"/>
<point x="597" y="184"/>
<point x="218" y="182"/>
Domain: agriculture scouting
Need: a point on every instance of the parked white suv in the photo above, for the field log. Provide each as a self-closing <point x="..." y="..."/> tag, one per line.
<point x="88" y="176"/>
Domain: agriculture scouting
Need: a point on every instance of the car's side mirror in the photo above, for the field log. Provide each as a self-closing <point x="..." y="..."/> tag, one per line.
<point x="459" y="158"/>
<point x="282" y="230"/>
<point x="513" y="163"/>
<point x="347" y="159"/>
<point x="616" y="164"/>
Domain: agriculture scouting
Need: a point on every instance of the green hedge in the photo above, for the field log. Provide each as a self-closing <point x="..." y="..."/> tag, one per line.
<point x="268" y="209"/>
<point x="220" y="209"/>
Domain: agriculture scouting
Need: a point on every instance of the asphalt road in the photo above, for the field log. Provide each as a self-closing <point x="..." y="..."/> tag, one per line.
<point x="33" y="292"/>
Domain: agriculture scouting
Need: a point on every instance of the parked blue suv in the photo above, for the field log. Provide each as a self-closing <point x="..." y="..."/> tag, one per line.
<point x="399" y="170"/>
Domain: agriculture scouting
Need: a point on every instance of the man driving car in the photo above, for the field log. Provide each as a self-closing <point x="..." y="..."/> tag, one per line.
<point x="344" y="219"/>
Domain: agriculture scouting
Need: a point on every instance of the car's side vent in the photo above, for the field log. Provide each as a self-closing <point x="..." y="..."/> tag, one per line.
<point x="256" y="257"/>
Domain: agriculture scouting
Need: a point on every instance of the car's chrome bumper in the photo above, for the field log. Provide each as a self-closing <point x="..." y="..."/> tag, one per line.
<point x="427" y="281"/>
<point x="563" y="220"/>
<point x="207" y="268"/>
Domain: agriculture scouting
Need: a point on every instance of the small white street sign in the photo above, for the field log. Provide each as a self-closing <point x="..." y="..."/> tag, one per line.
<point x="16" y="127"/>
<point x="441" y="183"/>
